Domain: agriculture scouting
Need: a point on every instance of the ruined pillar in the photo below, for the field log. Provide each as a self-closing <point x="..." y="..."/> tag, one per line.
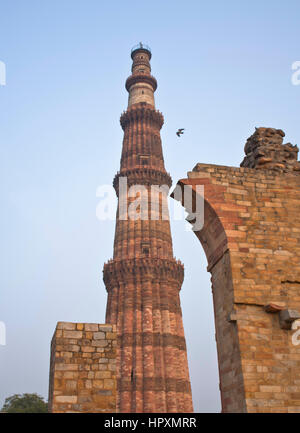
<point x="251" y="238"/>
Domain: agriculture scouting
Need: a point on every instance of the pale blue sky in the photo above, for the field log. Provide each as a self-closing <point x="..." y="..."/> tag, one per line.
<point x="222" y="69"/>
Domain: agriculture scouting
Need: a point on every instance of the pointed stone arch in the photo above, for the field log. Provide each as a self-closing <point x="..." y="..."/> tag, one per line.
<point x="251" y="238"/>
<point x="215" y="242"/>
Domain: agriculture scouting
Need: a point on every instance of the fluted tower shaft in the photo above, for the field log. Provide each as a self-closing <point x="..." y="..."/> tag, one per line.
<point x="143" y="280"/>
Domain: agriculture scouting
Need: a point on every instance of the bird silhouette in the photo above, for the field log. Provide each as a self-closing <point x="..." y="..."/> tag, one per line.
<point x="179" y="132"/>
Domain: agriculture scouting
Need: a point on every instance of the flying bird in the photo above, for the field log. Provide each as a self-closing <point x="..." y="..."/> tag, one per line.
<point x="179" y="132"/>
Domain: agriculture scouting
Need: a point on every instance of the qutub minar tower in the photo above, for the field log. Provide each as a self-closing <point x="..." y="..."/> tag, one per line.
<point x="137" y="360"/>
<point x="143" y="279"/>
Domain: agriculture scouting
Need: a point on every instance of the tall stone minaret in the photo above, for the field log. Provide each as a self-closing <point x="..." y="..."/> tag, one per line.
<point x="143" y="280"/>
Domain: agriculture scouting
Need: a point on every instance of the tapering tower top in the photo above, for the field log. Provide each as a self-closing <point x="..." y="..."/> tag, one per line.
<point x="141" y="85"/>
<point x="140" y="47"/>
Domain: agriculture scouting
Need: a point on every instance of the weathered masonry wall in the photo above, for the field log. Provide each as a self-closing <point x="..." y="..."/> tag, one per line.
<point x="82" y="368"/>
<point x="251" y="237"/>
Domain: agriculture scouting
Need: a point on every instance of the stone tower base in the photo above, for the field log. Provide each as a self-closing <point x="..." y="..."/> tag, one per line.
<point x="82" y="368"/>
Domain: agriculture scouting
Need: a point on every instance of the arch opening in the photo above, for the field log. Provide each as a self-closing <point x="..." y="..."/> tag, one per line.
<point x="214" y="241"/>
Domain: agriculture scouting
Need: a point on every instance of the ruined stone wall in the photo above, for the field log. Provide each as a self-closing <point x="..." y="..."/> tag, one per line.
<point x="82" y="368"/>
<point x="251" y="237"/>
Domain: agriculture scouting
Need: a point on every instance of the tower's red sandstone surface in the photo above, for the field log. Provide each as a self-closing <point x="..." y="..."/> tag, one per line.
<point x="143" y="280"/>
